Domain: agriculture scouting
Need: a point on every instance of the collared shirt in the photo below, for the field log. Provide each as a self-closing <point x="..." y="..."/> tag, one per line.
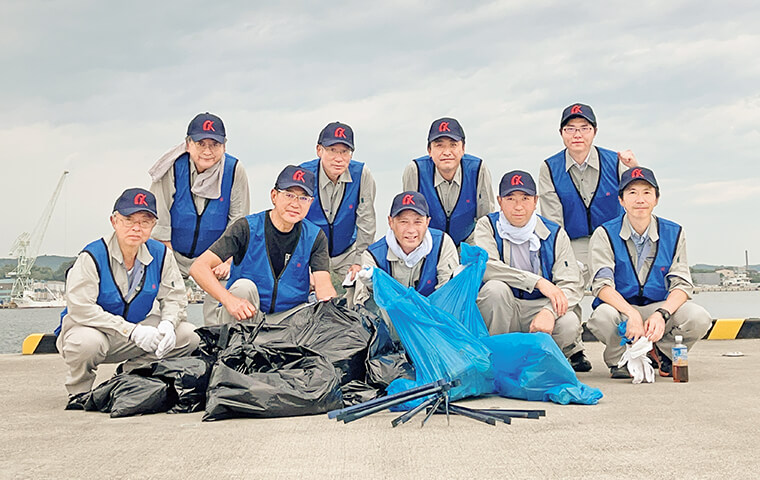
<point x="83" y="287"/>
<point x="585" y="179"/>
<point x="603" y="259"/>
<point x="163" y="189"/>
<point x="448" y="261"/>
<point x="330" y="196"/>
<point x="566" y="273"/>
<point x="448" y="191"/>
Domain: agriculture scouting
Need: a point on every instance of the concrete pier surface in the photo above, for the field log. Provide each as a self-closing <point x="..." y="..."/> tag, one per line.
<point x="707" y="428"/>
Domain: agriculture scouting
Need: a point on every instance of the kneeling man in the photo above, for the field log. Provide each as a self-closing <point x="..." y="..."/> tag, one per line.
<point x="532" y="280"/>
<point x="640" y="273"/>
<point x="415" y="255"/>
<point x="125" y="298"/>
<point x="274" y="252"/>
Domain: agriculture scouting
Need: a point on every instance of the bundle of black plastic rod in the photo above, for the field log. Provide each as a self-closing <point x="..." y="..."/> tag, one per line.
<point x="436" y="400"/>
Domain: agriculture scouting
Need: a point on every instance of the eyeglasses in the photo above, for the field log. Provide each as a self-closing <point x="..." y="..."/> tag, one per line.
<point x="212" y="145"/>
<point x="573" y="130"/>
<point x="338" y="152"/>
<point x="143" y="224"/>
<point x="291" y="197"/>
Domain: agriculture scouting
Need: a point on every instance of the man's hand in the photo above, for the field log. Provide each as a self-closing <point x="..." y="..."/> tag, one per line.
<point x="240" y="308"/>
<point x="222" y="271"/>
<point x="553" y="293"/>
<point x="543" y="322"/>
<point x="654" y="327"/>
<point x="146" y="337"/>
<point x="628" y="159"/>
<point x="353" y="270"/>
<point x="635" y="326"/>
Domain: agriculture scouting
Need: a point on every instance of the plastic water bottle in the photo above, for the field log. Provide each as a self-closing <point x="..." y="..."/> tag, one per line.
<point x="680" y="361"/>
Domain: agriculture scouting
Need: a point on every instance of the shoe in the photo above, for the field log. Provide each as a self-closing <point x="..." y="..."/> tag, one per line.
<point x="661" y="362"/>
<point x="77" y="401"/>
<point x="620" y="372"/>
<point x="579" y="362"/>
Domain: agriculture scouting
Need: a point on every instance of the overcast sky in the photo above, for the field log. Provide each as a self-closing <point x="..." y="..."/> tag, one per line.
<point x="104" y="88"/>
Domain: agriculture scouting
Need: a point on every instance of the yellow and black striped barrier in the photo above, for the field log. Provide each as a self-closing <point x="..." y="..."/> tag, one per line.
<point x="39" y="343"/>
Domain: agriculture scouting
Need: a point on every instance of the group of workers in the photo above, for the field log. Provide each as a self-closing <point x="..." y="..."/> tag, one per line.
<point x="126" y="293"/>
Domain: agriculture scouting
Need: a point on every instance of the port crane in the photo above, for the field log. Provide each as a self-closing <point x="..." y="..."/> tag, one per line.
<point x="27" y="246"/>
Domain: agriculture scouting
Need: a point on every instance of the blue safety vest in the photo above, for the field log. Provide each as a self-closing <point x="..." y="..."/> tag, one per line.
<point x="341" y="233"/>
<point x="429" y="273"/>
<point x="580" y="221"/>
<point x="546" y="254"/>
<point x="192" y="234"/>
<point x="110" y="297"/>
<point x="291" y="288"/>
<point x="461" y="223"/>
<point x="627" y="284"/>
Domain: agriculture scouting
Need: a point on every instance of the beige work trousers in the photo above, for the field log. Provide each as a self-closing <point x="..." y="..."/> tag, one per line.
<point x="245" y="288"/>
<point x="690" y="321"/>
<point x="84" y="348"/>
<point x="503" y="313"/>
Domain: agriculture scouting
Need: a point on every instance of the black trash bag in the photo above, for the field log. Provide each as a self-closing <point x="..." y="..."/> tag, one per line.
<point x="187" y="377"/>
<point x="334" y="331"/>
<point x="356" y="392"/>
<point x="386" y="359"/>
<point x="127" y="394"/>
<point x="271" y="381"/>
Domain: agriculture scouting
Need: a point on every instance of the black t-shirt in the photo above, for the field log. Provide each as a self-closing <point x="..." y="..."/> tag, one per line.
<point x="280" y="245"/>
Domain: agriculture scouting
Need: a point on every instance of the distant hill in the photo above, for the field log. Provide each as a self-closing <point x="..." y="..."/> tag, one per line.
<point x="712" y="268"/>
<point x="52" y="261"/>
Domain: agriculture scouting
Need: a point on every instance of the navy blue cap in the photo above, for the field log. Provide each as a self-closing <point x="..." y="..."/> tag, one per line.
<point x="293" y="176"/>
<point x="578" y="110"/>
<point x="336" y="132"/>
<point x="517" y="181"/>
<point x="414" y="201"/>
<point x="135" y="200"/>
<point x="206" y="125"/>
<point x="446" y="127"/>
<point x="637" y="173"/>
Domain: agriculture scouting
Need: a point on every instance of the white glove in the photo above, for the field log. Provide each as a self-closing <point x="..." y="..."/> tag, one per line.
<point x="460" y="268"/>
<point x="169" y="340"/>
<point x="365" y="275"/>
<point x="639" y="365"/>
<point x="146" y="337"/>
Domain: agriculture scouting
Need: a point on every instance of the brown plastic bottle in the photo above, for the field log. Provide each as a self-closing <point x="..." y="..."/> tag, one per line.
<point x="680" y="361"/>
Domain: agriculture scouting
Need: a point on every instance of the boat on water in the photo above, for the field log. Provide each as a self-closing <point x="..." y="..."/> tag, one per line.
<point x="39" y="299"/>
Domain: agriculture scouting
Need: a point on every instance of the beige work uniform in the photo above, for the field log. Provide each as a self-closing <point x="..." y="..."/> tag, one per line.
<point x="585" y="180"/>
<point x="91" y="336"/>
<point x="448" y="191"/>
<point x="690" y="320"/>
<point x="164" y="189"/>
<point x="330" y="197"/>
<point x="503" y="313"/>
<point x="448" y="261"/>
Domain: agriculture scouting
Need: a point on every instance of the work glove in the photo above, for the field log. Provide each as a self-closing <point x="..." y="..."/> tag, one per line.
<point x="169" y="340"/>
<point x="146" y="337"/>
<point x="639" y="364"/>
<point x="365" y="275"/>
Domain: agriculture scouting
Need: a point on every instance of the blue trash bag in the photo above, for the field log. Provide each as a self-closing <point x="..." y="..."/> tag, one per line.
<point x="439" y="345"/>
<point x="458" y="295"/>
<point x="530" y="366"/>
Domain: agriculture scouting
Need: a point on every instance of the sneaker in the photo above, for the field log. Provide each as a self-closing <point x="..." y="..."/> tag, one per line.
<point x="579" y="362"/>
<point x="666" y="365"/>
<point x="77" y="401"/>
<point x="620" y="372"/>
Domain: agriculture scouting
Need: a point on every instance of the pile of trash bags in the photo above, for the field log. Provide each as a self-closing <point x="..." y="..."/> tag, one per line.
<point x="322" y="357"/>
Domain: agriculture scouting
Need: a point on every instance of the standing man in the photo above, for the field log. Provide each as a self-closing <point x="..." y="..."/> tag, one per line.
<point x="415" y="255"/>
<point x="532" y="280"/>
<point x="273" y="253"/>
<point x="125" y="298"/>
<point x="200" y="190"/>
<point x="577" y="185"/>
<point x="344" y="200"/>
<point x="640" y="273"/>
<point x="457" y="185"/>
